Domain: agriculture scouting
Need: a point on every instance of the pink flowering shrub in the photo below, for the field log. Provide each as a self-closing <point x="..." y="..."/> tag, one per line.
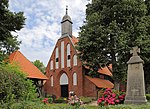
<point x="110" y="97"/>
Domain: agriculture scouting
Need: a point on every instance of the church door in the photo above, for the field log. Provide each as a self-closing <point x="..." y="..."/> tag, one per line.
<point x="64" y="90"/>
<point x="64" y="85"/>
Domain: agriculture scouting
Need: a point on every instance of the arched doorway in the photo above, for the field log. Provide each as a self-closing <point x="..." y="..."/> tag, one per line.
<point x="64" y="85"/>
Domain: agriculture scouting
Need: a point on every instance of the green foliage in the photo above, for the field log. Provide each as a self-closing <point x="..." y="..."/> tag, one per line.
<point x="61" y="100"/>
<point x="50" y="100"/>
<point x="111" y="28"/>
<point x="39" y="105"/>
<point x="86" y="99"/>
<point x="40" y="66"/>
<point x="9" y="22"/>
<point x="14" y="85"/>
<point x="148" y="97"/>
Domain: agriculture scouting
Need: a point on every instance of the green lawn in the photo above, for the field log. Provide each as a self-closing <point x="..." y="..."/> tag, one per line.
<point x="40" y="105"/>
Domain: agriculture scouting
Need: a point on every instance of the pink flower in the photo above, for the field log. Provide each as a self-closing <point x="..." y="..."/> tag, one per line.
<point x="108" y="96"/>
<point x="121" y="97"/>
<point x="117" y="101"/>
<point x="112" y="103"/>
<point x="46" y="99"/>
<point x="103" y="98"/>
<point x="112" y="99"/>
<point x="122" y="90"/>
<point x="105" y="92"/>
<point x="113" y="95"/>
<point x="109" y="101"/>
<point x="108" y="89"/>
<point x="99" y="101"/>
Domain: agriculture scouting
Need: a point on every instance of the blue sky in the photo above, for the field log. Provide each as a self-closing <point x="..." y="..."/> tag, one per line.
<point x="42" y="26"/>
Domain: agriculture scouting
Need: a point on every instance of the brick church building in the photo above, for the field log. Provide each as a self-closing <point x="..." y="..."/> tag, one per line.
<point x="66" y="72"/>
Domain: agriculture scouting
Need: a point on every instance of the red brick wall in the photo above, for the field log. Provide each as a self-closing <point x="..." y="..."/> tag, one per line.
<point x="89" y="88"/>
<point x="68" y="70"/>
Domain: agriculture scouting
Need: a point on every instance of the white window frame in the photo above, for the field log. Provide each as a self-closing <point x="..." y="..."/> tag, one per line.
<point x="75" y="60"/>
<point x="68" y="53"/>
<point x="74" y="78"/>
<point x="52" y="81"/>
<point x="56" y="56"/>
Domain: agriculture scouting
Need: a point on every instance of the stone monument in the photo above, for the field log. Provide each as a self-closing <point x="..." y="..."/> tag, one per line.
<point x="135" y="93"/>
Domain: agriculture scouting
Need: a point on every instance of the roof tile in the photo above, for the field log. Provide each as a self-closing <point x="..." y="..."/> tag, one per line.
<point x="26" y="66"/>
<point x="101" y="83"/>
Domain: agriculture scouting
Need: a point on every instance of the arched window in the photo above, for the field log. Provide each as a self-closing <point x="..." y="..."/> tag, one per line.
<point x="62" y="54"/>
<point x="56" y="57"/>
<point x="75" y="79"/>
<point x="68" y="55"/>
<point x="75" y="60"/>
<point x="63" y="79"/>
<point x="51" y="65"/>
<point x="52" y="83"/>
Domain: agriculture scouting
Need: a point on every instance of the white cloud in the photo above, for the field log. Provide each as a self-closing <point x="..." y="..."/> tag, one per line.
<point x="42" y="28"/>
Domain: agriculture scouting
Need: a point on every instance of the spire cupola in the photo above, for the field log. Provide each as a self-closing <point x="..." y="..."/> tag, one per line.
<point x="66" y="25"/>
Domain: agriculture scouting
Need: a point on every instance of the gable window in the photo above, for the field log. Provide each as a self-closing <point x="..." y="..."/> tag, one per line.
<point x="56" y="58"/>
<point x="52" y="83"/>
<point x="75" y="60"/>
<point x="75" y="79"/>
<point x="68" y="55"/>
<point x="51" y="65"/>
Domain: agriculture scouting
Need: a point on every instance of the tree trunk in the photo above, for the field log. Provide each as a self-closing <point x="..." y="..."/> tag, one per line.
<point x="116" y="85"/>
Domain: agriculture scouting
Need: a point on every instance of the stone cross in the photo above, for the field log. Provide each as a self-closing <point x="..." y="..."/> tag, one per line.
<point x="135" y="79"/>
<point x="135" y="51"/>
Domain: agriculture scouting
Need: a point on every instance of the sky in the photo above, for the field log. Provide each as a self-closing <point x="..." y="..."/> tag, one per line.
<point x="42" y="27"/>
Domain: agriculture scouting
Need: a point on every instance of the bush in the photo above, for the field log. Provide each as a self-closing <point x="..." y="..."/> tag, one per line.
<point x="110" y="97"/>
<point x="14" y="85"/>
<point x="148" y="97"/>
<point x="61" y="100"/>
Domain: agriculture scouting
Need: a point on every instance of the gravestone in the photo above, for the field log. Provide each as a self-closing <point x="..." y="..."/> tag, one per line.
<point x="135" y="93"/>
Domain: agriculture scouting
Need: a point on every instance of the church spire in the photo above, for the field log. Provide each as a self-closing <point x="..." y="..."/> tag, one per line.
<point x="66" y="25"/>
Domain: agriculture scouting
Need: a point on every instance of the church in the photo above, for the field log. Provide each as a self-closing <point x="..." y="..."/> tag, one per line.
<point x="66" y="72"/>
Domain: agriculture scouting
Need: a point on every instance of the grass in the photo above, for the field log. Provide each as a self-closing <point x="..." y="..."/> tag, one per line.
<point x="40" y="105"/>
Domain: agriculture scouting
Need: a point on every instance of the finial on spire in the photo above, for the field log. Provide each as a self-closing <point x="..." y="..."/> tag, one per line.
<point x="66" y="9"/>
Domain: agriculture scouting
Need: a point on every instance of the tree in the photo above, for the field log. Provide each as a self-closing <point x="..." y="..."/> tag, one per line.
<point x="147" y="63"/>
<point x="40" y="66"/>
<point x="111" y="28"/>
<point x="9" y="22"/>
<point x="14" y="85"/>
